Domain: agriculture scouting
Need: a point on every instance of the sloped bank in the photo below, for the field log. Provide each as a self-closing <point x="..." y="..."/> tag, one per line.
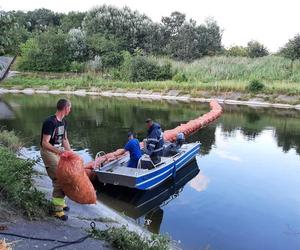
<point x="24" y="196"/>
<point x="228" y="98"/>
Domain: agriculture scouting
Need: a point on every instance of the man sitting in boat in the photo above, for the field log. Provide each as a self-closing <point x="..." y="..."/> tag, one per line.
<point x="155" y="141"/>
<point x="133" y="146"/>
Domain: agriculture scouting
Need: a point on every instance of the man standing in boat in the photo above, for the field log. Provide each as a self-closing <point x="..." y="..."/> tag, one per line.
<point x="133" y="146"/>
<point x="54" y="141"/>
<point x="155" y="141"/>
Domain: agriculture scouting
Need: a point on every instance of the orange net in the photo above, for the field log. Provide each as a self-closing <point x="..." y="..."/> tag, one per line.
<point x="4" y="245"/>
<point x="73" y="179"/>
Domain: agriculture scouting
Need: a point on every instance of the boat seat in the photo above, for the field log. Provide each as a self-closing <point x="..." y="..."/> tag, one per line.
<point x="146" y="163"/>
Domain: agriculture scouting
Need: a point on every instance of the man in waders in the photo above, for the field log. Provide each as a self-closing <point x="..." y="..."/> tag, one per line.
<point x="54" y="141"/>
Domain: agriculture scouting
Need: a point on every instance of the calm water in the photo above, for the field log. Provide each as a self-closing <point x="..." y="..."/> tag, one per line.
<point x="242" y="192"/>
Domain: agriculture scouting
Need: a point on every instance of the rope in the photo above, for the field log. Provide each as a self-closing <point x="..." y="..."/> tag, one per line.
<point x="65" y="243"/>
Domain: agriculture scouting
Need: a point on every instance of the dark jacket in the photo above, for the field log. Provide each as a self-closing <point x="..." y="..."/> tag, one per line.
<point x="155" y="141"/>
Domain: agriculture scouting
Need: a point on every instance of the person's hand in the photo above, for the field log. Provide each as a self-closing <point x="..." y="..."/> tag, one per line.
<point x="60" y="151"/>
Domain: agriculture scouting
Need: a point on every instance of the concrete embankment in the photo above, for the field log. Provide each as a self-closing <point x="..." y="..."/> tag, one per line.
<point x="144" y="94"/>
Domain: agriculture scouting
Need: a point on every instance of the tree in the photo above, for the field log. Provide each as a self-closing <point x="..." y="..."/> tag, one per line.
<point x="6" y="24"/>
<point x="173" y="23"/>
<point x="73" y="20"/>
<point x="256" y="49"/>
<point x="188" y="41"/>
<point x="77" y="45"/>
<point x="47" y="51"/>
<point x="291" y="49"/>
<point x="108" y="47"/>
<point x="185" y="46"/>
<point x="42" y="19"/>
<point x="124" y="24"/>
<point x="211" y="37"/>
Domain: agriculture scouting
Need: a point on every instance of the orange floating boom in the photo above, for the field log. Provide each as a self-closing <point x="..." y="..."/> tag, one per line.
<point x="169" y="135"/>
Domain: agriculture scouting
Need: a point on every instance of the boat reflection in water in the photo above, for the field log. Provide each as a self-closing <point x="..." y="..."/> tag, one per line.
<point x="146" y="206"/>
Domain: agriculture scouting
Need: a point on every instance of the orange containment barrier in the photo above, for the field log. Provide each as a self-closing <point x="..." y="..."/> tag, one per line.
<point x="196" y="124"/>
<point x="73" y="179"/>
<point x="169" y="135"/>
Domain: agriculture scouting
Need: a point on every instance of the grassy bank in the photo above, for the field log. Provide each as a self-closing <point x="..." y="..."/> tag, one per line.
<point x="266" y="69"/>
<point x="88" y="81"/>
<point x="17" y="191"/>
<point x="122" y="238"/>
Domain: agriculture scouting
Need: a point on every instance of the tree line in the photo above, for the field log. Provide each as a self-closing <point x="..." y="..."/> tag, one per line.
<point x="107" y="37"/>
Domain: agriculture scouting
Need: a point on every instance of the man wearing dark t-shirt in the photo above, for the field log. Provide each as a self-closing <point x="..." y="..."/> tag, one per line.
<point x="54" y="141"/>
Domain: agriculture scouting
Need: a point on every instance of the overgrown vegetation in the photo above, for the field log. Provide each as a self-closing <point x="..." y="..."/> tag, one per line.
<point x="16" y="186"/>
<point x="124" y="45"/>
<point x="122" y="238"/>
<point x="222" y="68"/>
<point x="99" y="82"/>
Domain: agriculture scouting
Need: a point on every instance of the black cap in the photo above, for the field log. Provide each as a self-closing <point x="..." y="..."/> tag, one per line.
<point x="148" y="120"/>
<point x="129" y="134"/>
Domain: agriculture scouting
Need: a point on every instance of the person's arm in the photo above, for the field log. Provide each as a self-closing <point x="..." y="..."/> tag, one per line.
<point x="66" y="143"/>
<point x="151" y="143"/>
<point x="46" y="145"/>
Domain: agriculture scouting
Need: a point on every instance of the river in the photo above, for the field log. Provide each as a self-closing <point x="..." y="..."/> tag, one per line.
<point x="241" y="192"/>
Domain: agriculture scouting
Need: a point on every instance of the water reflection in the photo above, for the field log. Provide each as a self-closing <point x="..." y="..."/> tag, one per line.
<point x="6" y="111"/>
<point x="98" y="123"/>
<point x="146" y="207"/>
<point x="248" y="187"/>
<point x="200" y="182"/>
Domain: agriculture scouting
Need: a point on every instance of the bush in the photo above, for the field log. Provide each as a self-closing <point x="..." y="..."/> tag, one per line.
<point x="140" y="68"/>
<point x="95" y="65"/>
<point x="48" y="51"/>
<point x="9" y="140"/>
<point x="165" y="72"/>
<point x="255" y="86"/>
<point x="237" y="51"/>
<point x="143" y="69"/>
<point x="179" y="77"/>
<point x="16" y="184"/>
<point x="77" y="67"/>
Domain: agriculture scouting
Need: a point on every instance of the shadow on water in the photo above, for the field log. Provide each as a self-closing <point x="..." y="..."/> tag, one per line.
<point x="146" y="207"/>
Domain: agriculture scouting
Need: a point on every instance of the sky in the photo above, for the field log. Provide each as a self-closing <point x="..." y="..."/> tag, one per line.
<point x="271" y="22"/>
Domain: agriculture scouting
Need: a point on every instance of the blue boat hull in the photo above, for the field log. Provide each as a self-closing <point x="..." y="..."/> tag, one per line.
<point x="155" y="178"/>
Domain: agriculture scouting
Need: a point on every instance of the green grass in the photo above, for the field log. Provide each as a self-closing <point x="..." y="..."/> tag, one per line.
<point x="214" y="74"/>
<point x="99" y="219"/>
<point x="219" y="68"/>
<point x="16" y="185"/>
<point x="122" y="238"/>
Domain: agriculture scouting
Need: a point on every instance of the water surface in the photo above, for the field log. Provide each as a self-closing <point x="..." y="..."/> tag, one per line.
<point x="242" y="192"/>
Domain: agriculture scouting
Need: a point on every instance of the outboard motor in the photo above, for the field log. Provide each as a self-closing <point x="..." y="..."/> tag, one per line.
<point x="180" y="139"/>
<point x="171" y="149"/>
